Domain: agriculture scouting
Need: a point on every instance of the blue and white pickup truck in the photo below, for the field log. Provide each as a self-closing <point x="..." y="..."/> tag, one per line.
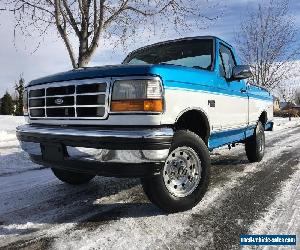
<point x="156" y="116"/>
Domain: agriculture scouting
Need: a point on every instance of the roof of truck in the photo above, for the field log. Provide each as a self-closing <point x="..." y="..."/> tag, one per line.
<point x="181" y="39"/>
<point x="201" y="37"/>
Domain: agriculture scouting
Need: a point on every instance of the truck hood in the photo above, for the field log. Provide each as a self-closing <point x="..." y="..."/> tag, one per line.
<point x="166" y="72"/>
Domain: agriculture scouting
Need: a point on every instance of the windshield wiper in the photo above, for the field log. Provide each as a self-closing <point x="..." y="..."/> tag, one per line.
<point x="162" y="63"/>
<point x="198" y="67"/>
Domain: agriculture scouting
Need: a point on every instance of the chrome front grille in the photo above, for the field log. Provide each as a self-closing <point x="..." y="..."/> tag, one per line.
<point x="86" y="99"/>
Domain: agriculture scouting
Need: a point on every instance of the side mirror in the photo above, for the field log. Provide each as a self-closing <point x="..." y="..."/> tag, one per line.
<point x="240" y="72"/>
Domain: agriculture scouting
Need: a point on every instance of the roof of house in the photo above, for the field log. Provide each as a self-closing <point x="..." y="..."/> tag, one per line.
<point x="284" y="105"/>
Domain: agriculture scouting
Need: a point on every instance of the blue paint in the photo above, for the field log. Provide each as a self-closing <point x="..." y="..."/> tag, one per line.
<point x="222" y="138"/>
<point x="95" y="72"/>
<point x="269" y="126"/>
<point x="212" y="90"/>
<point x="178" y="77"/>
<point x="182" y="79"/>
<point x="250" y="131"/>
<point x="175" y="77"/>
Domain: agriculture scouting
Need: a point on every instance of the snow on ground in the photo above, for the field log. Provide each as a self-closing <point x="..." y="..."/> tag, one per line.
<point x="10" y="146"/>
<point x="284" y="123"/>
<point x="39" y="204"/>
<point x="10" y="152"/>
<point x="162" y="231"/>
<point x="283" y="215"/>
<point x="8" y="126"/>
<point x="9" y="123"/>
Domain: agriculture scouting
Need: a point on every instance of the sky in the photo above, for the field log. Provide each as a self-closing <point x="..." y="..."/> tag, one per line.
<point x="51" y="57"/>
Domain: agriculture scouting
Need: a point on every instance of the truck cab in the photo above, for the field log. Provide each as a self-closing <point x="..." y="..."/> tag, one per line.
<point x="155" y="116"/>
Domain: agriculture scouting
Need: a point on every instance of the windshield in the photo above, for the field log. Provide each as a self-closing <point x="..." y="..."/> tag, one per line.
<point x="197" y="53"/>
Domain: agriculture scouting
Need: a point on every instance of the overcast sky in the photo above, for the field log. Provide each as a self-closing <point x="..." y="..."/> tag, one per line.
<point x="52" y="57"/>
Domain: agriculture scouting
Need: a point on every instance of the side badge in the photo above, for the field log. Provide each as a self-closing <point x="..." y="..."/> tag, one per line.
<point x="212" y="103"/>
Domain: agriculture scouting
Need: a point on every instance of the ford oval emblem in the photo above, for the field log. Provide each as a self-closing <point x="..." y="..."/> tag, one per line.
<point x="59" y="101"/>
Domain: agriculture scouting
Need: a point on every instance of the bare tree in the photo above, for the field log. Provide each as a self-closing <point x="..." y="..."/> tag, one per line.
<point x="267" y="41"/>
<point x="287" y="92"/>
<point x="297" y="96"/>
<point x="91" y="21"/>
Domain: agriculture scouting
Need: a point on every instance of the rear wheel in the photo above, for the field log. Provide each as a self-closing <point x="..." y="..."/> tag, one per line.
<point x="184" y="177"/>
<point x="72" y="178"/>
<point x="255" y="145"/>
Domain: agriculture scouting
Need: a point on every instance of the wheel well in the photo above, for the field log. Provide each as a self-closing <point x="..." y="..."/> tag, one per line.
<point x="263" y="118"/>
<point x="195" y="121"/>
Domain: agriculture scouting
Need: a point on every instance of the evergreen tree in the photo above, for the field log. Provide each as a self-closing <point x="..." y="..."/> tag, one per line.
<point x="7" y="106"/>
<point x="19" y="87"/>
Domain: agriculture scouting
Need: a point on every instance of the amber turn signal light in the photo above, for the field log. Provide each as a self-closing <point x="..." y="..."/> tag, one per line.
<point x="137" y="105"/>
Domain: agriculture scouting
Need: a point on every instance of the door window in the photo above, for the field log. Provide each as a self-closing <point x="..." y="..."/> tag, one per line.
<point x="227" y="61"/>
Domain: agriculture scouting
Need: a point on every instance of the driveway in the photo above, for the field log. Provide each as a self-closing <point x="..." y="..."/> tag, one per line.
<point x="37" y="211"/>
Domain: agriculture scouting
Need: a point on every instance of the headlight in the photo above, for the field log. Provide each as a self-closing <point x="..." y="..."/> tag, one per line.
<point x="25" y="102"/>
<point x="137" y="95"/>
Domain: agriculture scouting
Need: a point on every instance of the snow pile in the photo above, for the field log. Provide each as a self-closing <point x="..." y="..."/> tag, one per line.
<point x="8" y="126"/>
<point x="284" y="123"/>
<point x="9" y="123"/>
<point x="12" y="159"/>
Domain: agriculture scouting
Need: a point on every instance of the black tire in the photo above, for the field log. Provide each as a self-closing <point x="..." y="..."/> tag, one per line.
<point x="255" y="145"/>
<point x="72" y="178"/>
<point x="155" y="187"/>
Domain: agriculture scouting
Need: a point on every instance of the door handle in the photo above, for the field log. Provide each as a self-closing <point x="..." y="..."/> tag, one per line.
<point x="243" y="90"/>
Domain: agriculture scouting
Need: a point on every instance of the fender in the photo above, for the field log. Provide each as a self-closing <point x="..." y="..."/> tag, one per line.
<point x="200" y="110"/>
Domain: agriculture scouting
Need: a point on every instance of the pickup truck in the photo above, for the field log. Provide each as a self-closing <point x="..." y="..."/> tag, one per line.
<point x="156" y="116"/>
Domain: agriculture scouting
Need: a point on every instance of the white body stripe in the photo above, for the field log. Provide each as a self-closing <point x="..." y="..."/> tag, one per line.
<point x="230" y="112"/>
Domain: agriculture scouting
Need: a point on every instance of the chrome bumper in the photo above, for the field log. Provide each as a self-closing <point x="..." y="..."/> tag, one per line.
<point x="120" y="145"/>
<point x="127" y="133"/>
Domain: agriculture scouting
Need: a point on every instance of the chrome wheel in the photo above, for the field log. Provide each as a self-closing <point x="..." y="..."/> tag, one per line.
<point x="182" y="171"/>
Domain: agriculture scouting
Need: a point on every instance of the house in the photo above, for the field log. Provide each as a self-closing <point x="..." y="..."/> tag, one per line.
<point x="286" y="105"/>
<point x="276" y="103"/>
<point x="296" y="107"/>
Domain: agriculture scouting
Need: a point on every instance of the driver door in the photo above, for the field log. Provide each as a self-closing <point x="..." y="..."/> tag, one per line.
<point x="233" y="112"/>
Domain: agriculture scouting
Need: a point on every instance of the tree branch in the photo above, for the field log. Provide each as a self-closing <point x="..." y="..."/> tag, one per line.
<point x="71" y="18"/>
<point x="62" y="31"/>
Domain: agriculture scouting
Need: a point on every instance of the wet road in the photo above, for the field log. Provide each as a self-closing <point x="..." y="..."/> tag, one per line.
<point x="39" y="212"/>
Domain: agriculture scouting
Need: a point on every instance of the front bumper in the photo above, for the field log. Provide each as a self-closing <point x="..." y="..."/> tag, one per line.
<point x="120" y="152"/>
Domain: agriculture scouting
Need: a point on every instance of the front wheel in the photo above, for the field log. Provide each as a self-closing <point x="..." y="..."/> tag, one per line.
<point x="255" y="145"/>
<point x="185" y="176"/>
<point x="72" y="178"/>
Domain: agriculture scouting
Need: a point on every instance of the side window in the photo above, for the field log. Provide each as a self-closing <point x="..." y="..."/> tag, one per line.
<point x="227" y="61"/>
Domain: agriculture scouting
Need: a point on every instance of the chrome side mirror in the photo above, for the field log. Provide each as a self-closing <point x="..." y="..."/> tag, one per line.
<point x="240" y="72"/>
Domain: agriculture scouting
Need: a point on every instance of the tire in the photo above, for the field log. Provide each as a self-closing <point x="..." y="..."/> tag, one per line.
<point x="188" y="156"/>
<point x="255" y="145"/>
<point x="72" y="178"/>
